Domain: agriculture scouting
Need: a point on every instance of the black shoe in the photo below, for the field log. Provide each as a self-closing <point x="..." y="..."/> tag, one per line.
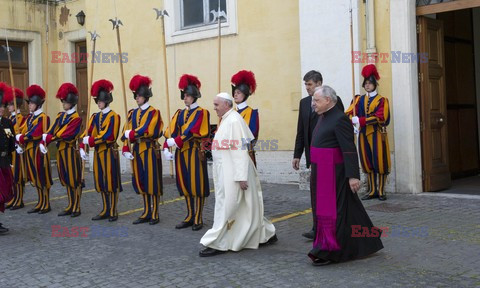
<point x="154" y="221"/>
<point x="272" y="240"/>
<point x="309" y="235"/>
<point x="208" y="252"/>
<point x="113" y="219"/>
<point x="34" y="210"/>
<point x="64" y="213"/>
<point x="75" y="214"/>
<point x="8" y="206"/>
<point x="321" y="262"/>
<point x="45" y="211"/>
<point x="368" y="197"/>
<point x="99" y="217"/>
<point x="183" y="224"/>
<point x="17" y="207"/>
<point x="141" y="220"/>
<point x="3" y="230"/>
<point x="382" y="197"/>
<point x="197" y="227"/>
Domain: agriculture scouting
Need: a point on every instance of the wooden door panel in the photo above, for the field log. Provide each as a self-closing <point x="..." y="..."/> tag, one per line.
<point x="433" y="105"/>
<point x="468" y="136"/>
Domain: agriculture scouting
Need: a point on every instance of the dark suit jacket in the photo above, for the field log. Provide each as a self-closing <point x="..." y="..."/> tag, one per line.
<point x="307" y="119"/>
<point x="7" y="144"/>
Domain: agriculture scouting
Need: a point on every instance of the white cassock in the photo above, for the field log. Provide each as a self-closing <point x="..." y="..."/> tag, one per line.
<point x="238" y="221"/>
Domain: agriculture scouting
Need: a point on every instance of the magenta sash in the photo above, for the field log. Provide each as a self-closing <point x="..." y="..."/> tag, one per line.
<point x="325" y="160"/>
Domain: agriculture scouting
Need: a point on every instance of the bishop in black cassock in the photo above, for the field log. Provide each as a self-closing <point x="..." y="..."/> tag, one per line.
<point x="335" y="178"/>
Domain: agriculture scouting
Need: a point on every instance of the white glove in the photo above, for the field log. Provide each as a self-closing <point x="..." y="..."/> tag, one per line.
<point x="18" y="149"/>
<point x="44" y="137"/>
<point x="168" y="154"/>
<point x="83" y="155"/>
<point x="355" y="120"/>
<point x="128" y="155"/>
<point x="127" y="134"/>
<point x="171" y="142"/>
<point x="85" y="140"/>
<point x="17" y="137"/>
<point x="355" y="129"/>
<point x="43" y="149"/>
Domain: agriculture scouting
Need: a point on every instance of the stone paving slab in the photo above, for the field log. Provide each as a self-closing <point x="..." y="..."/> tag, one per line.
<point x="161" y="256"/>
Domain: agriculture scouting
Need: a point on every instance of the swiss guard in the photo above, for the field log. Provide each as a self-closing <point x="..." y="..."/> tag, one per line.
<point x="143" y="128"/>
<point x="187" y="131"/>
<point x="244" y="85"/>
<point x="103" y="130"/>
<point x="7" y="146"/>
<point x="37" y="164"/>
<point x="371" y="113"/>
<point x="18" y="166"/>
<point x="65" y="131"/>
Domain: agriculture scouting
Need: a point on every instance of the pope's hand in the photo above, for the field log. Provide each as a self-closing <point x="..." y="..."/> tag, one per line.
<point x="83" y="155"/>
<point x="244" y="185"/>
<point x="43" y="149"/>
<point x="168" y="154"/>
<point x="128" y="155"/>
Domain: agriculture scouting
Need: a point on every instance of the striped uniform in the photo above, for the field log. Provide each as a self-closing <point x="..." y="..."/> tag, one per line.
<point x="37" y="163"/>
<point x="146" y="126"/>
<point x="18" y="166"/>
<point x="189" y="127"/>
<point x="103" y="130"/>
<point x="65" y="131"/>
<point x="374" y="115"/>
<point x="253" y="122"/>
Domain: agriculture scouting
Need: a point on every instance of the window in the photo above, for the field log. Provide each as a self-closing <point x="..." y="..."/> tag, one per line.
<point x="192" y="20"/>
<point x="196" y="13"/>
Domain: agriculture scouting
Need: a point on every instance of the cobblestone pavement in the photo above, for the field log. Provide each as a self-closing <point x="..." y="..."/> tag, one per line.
<point x="161" y="256"/>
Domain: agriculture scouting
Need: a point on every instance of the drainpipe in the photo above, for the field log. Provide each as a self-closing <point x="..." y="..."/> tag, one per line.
<point x="370" y="21"/>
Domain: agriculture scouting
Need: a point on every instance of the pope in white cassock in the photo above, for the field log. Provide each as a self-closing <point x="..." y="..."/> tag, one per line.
<point x="238" y="221"/>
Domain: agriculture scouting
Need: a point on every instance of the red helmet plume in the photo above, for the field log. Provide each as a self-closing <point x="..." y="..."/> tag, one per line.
<point x="247" y="78"/>
<point x="186" y="80"/>
<point x="370" y="70"/>
<point x="6" y="94"/>
<point x="35" y="90"/>
<point x="65" y="89"/>
<point x="100" y="85"/>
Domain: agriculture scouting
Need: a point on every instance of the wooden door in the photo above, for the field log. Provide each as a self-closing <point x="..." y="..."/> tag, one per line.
<point x="433" y="106"/>
<point x="82" y="82"/>
<point x="19" y="57"/>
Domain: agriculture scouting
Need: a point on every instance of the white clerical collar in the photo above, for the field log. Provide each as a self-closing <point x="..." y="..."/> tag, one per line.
<point x="242" y="105"/>
<point x="106" y="110"/>
<point x="71" y="111"/>
<point x="227" y="113"/>
<point x="373" y="94"/>
<point x="15" y="113"/>
<point x="38" y="112"/>
<point x="145" y="106"/>
<point x="193" y="106"/>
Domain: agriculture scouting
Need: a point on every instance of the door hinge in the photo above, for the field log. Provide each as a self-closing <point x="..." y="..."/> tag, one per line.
<point x="422" y="126"/>
<point x="419" y="28"/>
<point x="420" y="77"/>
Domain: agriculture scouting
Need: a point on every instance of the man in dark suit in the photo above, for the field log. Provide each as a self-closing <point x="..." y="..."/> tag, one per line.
<point x="307" y="119"/>
<point x="7" y="145"/>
